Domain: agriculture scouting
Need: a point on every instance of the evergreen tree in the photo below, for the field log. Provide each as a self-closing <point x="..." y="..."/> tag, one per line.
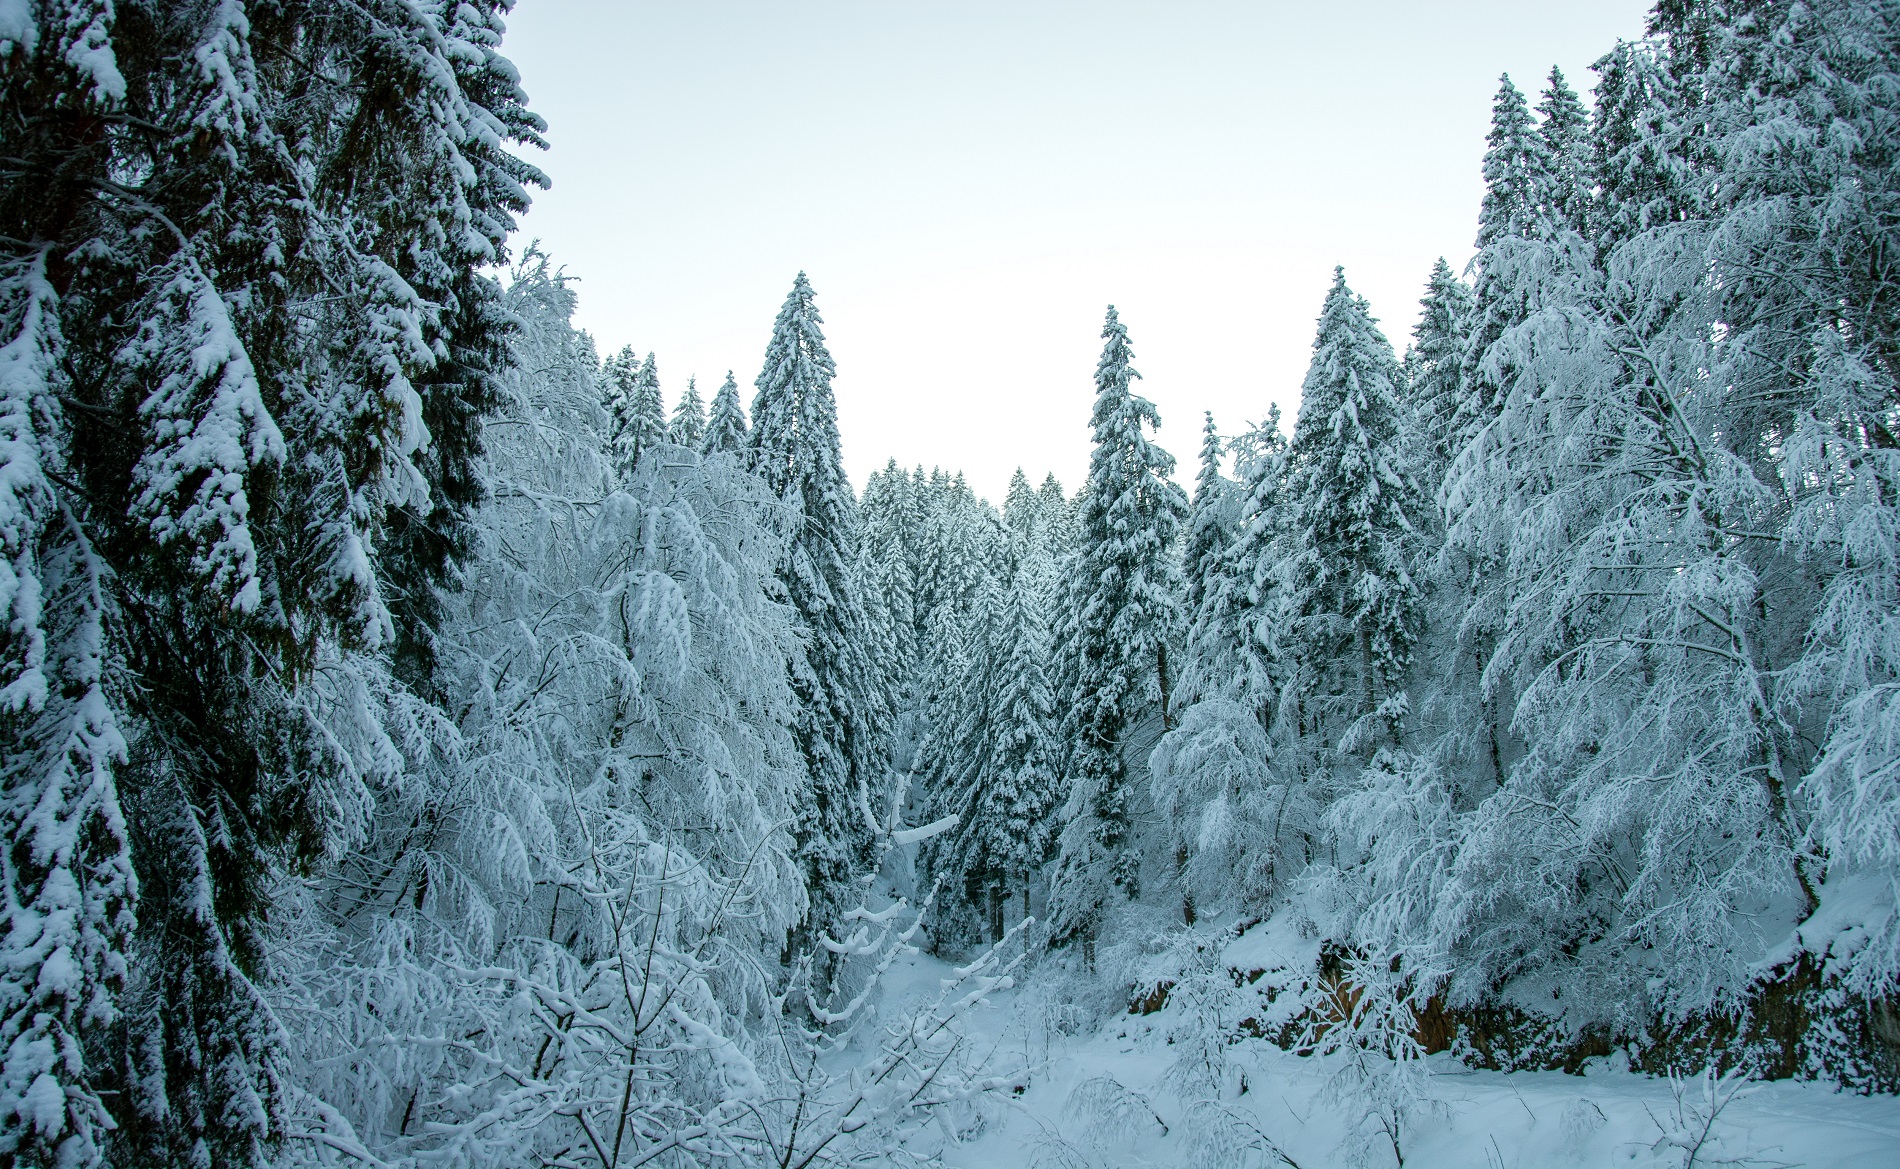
<point x="646" y="424"/>
<point x="1359" y="605"/>
<point x="689" y="418"/>
<point x="1432" y="370"/>
<point x="1025" y="798"/>
<point x="726" y="428"/>
<point x="1564" y="125"/>
<point x="620" y="394"/>
<point x="990" y="756"/>
<point x="1022" y="510"/>
<point x="841" y="719"/>
<point x="1234" y="636"/>
<point x="240" y="399"/>
<point x="1121" y="610"/>
<point x="1210" y="528"/>
<point x="1644" y="158"/>
<point x="1058" y="514"/>
<point x="1517" y="180"/>
<point x="884" y="568"/>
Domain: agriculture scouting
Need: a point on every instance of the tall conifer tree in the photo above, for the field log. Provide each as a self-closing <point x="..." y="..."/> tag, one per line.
<point x="1360" y="606"/>
<point x="689" y="417"/>
<point x="1209" y="529"/>
<point x="1517" y="182"/>
<point x="726" y="427"/>
<point x="1564" y="125"/>
<point x="1122" y="609"/>
<point x="647" y="424"/>
<point x="1432" y="369"/>
<point x="841" y="712"/>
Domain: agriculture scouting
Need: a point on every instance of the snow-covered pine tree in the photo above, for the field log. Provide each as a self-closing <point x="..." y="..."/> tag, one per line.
<point x="689" y="418"/>
<point x="990" y="757"/>
<point x="1517" y="184"/>
<point x="1121" y="613"/>
<point x="1022" y="510"/>
<point x="726" y="426"/>
<point x="1564" y="125"/>
<point x="69" y="883"/>
<point x="646" y="427"/>
<point x="1234" y="634"/>
<point x="242" y="374"/>
<point x="841" y="722"/>
<point x="1432" y="365"/>
<point x="884" y="570"/>
<point x="1354" y="504"/>
<point x="960" y="753"/>
<point x="1058" y="513"/>
<point x="619" y="394"/>
<point x="1025" y="793"/>
<point x="1641" y="132"/>
<point x="1210" y="518"/>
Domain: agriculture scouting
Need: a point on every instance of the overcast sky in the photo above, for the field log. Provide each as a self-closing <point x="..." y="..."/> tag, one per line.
<point x="970" y="184"/>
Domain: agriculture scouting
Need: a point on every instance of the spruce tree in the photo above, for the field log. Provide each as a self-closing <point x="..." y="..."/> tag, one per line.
<point x="1058" y="514"/>
<point x="884" y="568"/>
<point x="646" y="424"/>
<point x="1432" y="370"/>
<point x="841" y="717"/>
<point x="1355" y="502"/>
<point x="240" y="401"/>
<point x="620" y="394"/>
<point x="1026" y="794"/>
<point x="726" y="427"/>
<point x="1642" y="157"/>
<point x="1564" y="125"/>
<point x="1235" y="632"/>
<point x="689" y="417"/>
<point x="1122" y="607"/>
<point x="1209" y="523"/>
<point x="1021" y="509"/>
<point x="1517" y="179"/>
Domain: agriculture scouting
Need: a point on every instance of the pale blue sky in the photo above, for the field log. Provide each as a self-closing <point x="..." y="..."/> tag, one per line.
<point x="970" y="184"/>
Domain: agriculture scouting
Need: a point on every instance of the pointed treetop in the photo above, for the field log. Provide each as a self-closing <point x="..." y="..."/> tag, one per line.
<point x="1207" y="484"/>
<point x="689" y="417"/>
<point x="794" y="416"/>
<point x="1116" y="354"/>
<point x="1565" y="130"/>
<point x="647" y="426"/>
<point x="726" y="428"/>
<point x="1516" y="169"/>
<point x="1432" y="366"/>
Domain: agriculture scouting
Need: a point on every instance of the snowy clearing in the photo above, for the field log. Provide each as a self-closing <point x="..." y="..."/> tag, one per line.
<point x="1605" y="1117"/>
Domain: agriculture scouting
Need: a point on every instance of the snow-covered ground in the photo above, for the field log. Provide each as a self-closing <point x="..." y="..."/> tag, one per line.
<point x="1102" y="1101"/>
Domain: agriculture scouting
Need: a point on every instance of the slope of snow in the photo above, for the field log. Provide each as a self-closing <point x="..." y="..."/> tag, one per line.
<point x="1605" y="1117"/>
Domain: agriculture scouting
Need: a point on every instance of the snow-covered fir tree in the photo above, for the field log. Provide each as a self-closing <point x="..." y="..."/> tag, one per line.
<point x="619" y="394"/>
<point x="1210" y="518"/>
<point x="1120" y="612"/>
<point x="689" y="417"/>
<point x="842" y="716"/>
<point x="1518" y="182"/>
<point x="1354" y="502"/>
<point x="1564" y="126"/>
<point x="237" y="392"/>
<point x="726" y="425"/>
<point x="645" y="426"/>
<point x="1433" y="365"/>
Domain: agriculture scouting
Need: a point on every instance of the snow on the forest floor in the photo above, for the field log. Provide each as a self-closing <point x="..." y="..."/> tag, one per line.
<point x="1605" y="1117"/>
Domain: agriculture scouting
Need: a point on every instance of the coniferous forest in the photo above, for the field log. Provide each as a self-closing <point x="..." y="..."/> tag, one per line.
<point x="428" y="741"/>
